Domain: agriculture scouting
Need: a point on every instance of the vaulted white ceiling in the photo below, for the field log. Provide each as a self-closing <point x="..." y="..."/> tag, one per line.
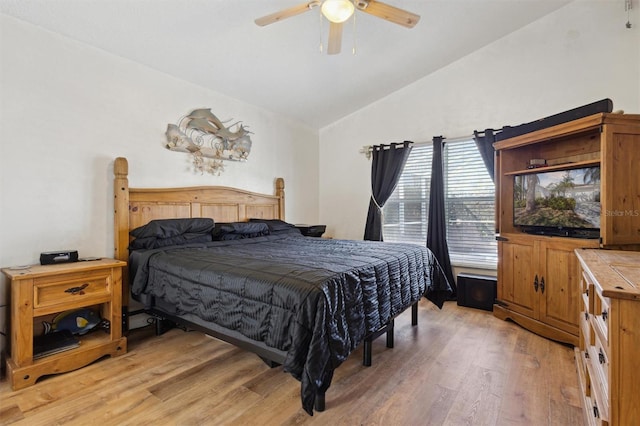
<point x="217" y="45"/>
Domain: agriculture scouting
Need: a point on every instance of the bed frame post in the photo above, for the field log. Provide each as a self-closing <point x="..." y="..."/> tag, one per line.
<point x="121" y="228"/>
<point x="320" y="404"/>
<point x="280" y="195"/>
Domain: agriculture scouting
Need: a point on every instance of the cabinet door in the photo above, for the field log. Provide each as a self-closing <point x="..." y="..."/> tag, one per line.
<point x="620" y="193"/>
<point x="559" y="287"/>
<point x="516" y="275"/>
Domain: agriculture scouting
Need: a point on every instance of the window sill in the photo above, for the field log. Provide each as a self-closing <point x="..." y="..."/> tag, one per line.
<point x="475" y="265"/>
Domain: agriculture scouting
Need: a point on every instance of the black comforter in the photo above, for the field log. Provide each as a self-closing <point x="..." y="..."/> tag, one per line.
<point x="316" y="299"/>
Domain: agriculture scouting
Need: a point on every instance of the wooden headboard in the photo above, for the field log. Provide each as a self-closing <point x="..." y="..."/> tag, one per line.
<point x="135" y="207"/>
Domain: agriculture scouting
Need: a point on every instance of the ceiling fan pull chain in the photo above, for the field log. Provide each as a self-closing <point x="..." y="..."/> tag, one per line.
<point x="353" y="51"/>
<point x="320" y="20"/>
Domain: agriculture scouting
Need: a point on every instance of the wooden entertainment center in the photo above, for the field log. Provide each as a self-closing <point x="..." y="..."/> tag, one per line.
<point x="540" y="284"/>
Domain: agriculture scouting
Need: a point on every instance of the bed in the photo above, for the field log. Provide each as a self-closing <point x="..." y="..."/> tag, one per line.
<point x="225" y="261"/>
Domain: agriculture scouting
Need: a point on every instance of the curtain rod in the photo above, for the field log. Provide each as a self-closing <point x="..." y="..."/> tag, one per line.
<point x="368" y="149"/>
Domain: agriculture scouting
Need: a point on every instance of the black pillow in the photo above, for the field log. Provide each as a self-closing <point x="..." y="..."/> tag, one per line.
<point x="166" y="228"/>
<point x="153" y="242"/>
<point x="239" y="230"/>
<point x="276" y="225"/>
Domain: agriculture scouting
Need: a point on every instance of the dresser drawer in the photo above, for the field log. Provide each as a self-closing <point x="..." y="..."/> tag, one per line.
<point x="585" y="282"/>
<point x="599" y="358"/>
<point x="587" y="337"/>
<point x="585" y="302"/>
<point x="599" y="410"/>
<point x="601" y="314"/>
<point x="77" y="289"/>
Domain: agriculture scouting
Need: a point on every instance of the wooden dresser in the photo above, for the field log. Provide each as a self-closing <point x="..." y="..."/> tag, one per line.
<point x="607" y="356"/>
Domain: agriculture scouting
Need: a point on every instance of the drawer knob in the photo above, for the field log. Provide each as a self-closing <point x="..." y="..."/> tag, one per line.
<point x="79" y="290"/>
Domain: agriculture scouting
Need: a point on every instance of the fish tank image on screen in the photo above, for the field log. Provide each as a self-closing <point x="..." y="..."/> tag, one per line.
<point x="563" y="202"/>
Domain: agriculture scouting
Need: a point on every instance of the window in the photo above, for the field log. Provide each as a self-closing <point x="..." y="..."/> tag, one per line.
<point x="469" y="201"/>
<point x="405" y="213"/>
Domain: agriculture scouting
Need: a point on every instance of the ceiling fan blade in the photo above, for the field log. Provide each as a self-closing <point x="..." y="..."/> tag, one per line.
<point x="286" y="13"/>
<point x="388" y="12"/>
<point x="335" y="38"/>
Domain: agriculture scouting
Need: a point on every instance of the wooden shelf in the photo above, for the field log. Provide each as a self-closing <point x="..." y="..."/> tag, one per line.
<point x="91" y="349"/>
<point x="87" y="342"/>
<point x="556" y="167"/>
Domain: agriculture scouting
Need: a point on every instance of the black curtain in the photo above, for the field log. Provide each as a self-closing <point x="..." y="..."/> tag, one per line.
<point x="484" y="142"/>
<point x="386" y="168"/>
<point x="437" y="223"/>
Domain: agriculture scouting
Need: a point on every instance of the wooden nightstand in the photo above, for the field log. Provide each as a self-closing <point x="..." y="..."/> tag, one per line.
<point x="43" y="290"/>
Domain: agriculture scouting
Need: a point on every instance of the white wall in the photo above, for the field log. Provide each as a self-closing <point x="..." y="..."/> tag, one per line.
<point x="579" y="54"/>
<point x="67" y="110"/>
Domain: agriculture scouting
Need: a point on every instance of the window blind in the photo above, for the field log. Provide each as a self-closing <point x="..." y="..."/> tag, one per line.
<point x="470" y="206"/>
<point x="405" y="213"/>
<point x="469" y="201"/>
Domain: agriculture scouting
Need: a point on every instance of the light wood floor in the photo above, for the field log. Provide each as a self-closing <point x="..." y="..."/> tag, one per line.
<point x="459" y="366"/>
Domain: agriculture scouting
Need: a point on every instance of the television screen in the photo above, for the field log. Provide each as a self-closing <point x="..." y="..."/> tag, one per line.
<point x="565" y="199"/>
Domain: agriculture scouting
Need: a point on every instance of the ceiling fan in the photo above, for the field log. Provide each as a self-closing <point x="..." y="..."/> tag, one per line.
<point x="338" y="11"/>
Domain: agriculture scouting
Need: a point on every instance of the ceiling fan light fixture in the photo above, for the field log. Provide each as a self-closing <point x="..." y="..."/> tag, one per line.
<point x="337" y="11"/>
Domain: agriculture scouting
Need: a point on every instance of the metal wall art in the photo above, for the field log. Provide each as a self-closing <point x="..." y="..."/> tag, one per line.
<point x="202" y="135"/>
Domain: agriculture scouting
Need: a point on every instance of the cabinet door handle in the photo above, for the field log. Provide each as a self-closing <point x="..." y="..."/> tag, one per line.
<point x="596" y="412"/>
<point x="535" y="283"/>
<point x="77" y="290"/>
<point x="542" y="285"/>
<point x="586" y="316"/>
<point x="601" y="357"/>
<point x="605" y="315"/>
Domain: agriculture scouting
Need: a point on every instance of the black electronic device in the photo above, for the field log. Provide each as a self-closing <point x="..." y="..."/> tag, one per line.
<point x="563" y="203"/>
<point x="53" y="343"/>
<point x="476" y="291"/>
<point x="62" y="256"/>
<point x="602" y="106"/>
<point x="312" y="230"/>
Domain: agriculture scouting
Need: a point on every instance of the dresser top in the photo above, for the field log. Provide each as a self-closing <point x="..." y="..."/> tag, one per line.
<point x="616" y="272"/>
<point x="33" y="271"/>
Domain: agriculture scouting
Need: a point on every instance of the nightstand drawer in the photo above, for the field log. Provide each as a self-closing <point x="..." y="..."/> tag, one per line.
<point x="78" y="288"/>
